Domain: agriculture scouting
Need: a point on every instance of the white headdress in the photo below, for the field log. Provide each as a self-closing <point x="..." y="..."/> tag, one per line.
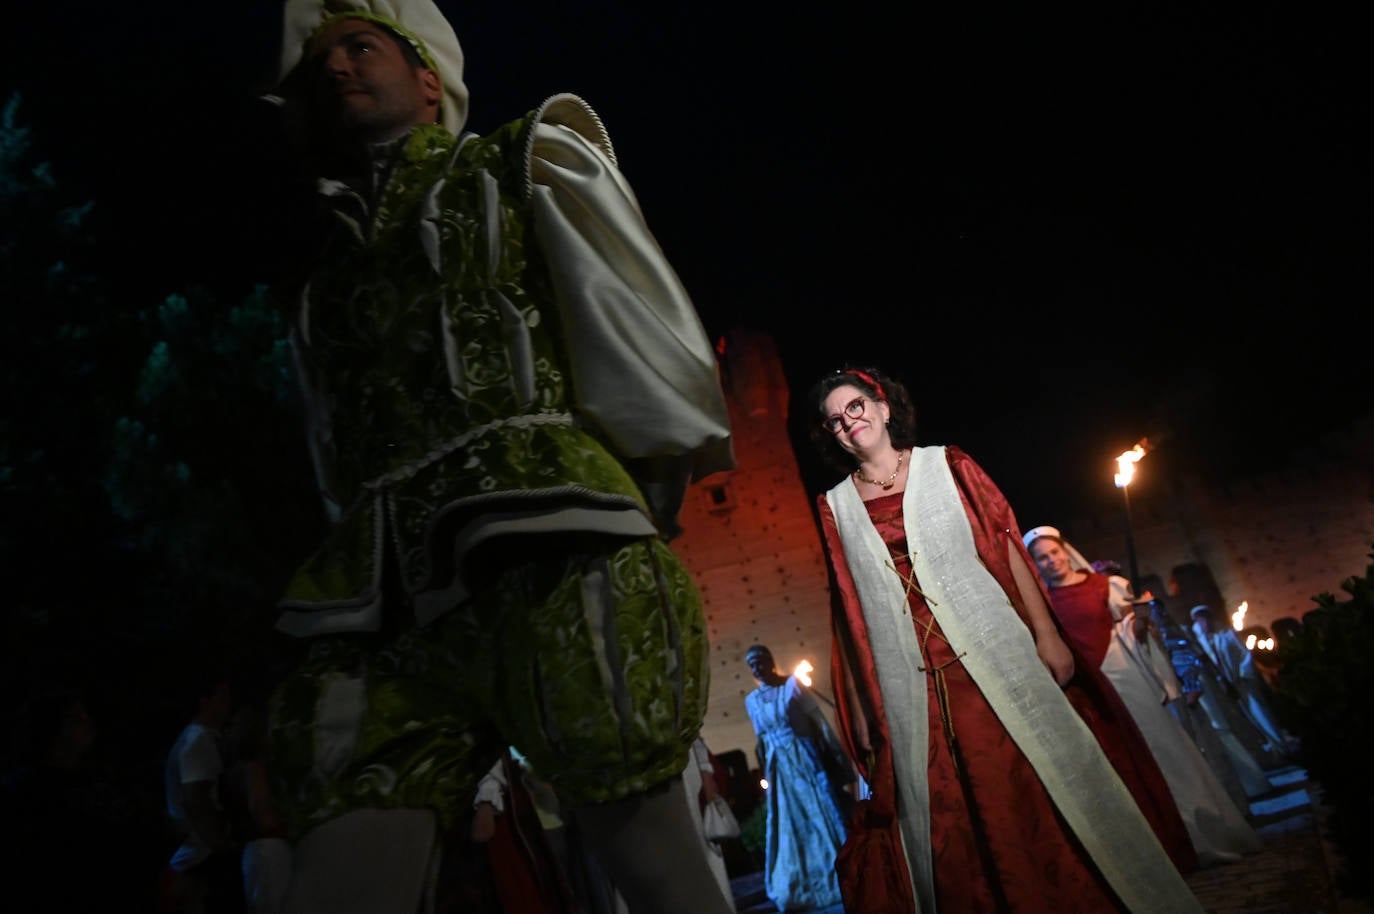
<point x="419" y="22"/>
<point x="1076" y="559"/>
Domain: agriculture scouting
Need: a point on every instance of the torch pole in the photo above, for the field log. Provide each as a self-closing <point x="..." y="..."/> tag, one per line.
<point x="1130" y="542"/>
<point x="1125" y="471"/>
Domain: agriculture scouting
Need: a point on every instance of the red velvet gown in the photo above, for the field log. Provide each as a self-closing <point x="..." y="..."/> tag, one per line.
<point x="998" y="843"/>
<point x="1082" y="614"/>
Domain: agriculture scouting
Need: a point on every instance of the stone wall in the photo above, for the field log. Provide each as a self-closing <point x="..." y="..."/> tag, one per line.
<point x="1273" y="542"/>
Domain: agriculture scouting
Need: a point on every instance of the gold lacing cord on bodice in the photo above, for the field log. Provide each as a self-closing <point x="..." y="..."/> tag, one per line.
<point x="937" y="674"/>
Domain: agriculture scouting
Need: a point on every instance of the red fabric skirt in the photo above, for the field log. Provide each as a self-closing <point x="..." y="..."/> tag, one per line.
<point x="998" y="843"/>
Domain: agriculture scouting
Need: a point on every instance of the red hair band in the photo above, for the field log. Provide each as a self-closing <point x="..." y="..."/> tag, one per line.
<point x="867" y="379"/>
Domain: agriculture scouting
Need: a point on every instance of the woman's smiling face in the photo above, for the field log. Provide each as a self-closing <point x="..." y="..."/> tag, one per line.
<point x="854" y="419"/>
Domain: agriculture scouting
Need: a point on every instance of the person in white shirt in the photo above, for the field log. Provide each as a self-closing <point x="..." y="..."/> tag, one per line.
<point x="202" y="875"/>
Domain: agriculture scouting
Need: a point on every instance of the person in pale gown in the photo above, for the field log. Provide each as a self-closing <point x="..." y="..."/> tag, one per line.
<point x="1101" y="619"/>
<point x="1214" y="720"/>
<point x="800" y="757"/>
<point x="1237" y="664"/>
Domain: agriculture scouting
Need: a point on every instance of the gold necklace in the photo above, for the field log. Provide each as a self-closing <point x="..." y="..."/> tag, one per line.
<point x="887" y="483"/>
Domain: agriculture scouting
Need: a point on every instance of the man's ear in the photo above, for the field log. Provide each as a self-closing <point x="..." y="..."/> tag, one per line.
<point x="433" y="86"/>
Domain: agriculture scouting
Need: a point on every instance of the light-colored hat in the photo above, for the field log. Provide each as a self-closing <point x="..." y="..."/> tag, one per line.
<point x="419" y="22"/>
<point x="1034" y="533"/>
<point x="1202" y="609"/>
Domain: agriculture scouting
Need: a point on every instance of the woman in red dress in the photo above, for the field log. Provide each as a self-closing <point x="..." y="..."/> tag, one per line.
<point x="1003" y="792"/>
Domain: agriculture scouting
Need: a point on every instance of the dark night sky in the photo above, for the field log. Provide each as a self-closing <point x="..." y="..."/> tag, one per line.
<point x="1068" y="228"/>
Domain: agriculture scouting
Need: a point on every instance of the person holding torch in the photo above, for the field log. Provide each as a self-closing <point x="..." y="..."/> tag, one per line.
<point x="808" y="775"/>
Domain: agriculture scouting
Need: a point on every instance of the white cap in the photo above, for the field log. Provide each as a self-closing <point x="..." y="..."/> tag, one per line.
<point x="420" y="22"/>
<point x="1035" y="533"/>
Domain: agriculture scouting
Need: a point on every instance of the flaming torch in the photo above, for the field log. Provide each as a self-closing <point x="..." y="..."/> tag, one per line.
<point x="1238" y="617"/>
<point x="803" y="673"/>
<point x="1125" y="472"/>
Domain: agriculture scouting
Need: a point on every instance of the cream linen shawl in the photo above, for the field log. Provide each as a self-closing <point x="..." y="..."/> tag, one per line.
<point x="997" y="649"/>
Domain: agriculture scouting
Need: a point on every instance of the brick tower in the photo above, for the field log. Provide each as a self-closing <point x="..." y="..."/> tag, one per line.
<point x="753" y="547"/>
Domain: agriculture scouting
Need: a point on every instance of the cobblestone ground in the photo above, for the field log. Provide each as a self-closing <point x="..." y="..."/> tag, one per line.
<point x="1293" y="874"/>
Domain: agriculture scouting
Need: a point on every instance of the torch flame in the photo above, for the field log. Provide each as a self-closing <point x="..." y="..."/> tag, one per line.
<point x="1238" y="617"/>
<point x="1125" y="464"/>
<point x="803" y="672"/>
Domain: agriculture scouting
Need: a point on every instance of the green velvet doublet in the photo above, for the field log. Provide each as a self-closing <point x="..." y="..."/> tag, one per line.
<point x="443" y="428"/>
<point x="438" y="370"/>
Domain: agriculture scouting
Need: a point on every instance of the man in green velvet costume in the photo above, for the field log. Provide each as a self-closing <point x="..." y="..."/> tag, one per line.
<point x="508" y="391"/>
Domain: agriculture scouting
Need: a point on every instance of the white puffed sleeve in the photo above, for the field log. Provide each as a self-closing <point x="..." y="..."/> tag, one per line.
<point x="644" y="372"/>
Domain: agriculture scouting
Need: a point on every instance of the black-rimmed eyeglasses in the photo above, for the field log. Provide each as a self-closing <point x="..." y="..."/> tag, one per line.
<point x="853" y="409"/>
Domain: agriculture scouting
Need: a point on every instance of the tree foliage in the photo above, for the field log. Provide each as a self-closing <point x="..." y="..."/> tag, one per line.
<point x="1325" y="694"/>
<point x="154" y="487"/>
<point x="65" y="354"/>
<point x="207" y="474"/>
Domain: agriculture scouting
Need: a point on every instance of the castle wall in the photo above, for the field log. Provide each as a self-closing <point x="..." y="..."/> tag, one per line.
<point x="1273" y="541"/>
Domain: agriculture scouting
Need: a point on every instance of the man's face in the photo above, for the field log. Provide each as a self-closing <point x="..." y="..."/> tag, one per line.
<point x="364" y="85"/>
<point x="760" y="664"/>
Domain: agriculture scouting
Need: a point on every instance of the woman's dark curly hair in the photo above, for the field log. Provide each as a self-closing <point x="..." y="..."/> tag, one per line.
<point x="875" y="385"/>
